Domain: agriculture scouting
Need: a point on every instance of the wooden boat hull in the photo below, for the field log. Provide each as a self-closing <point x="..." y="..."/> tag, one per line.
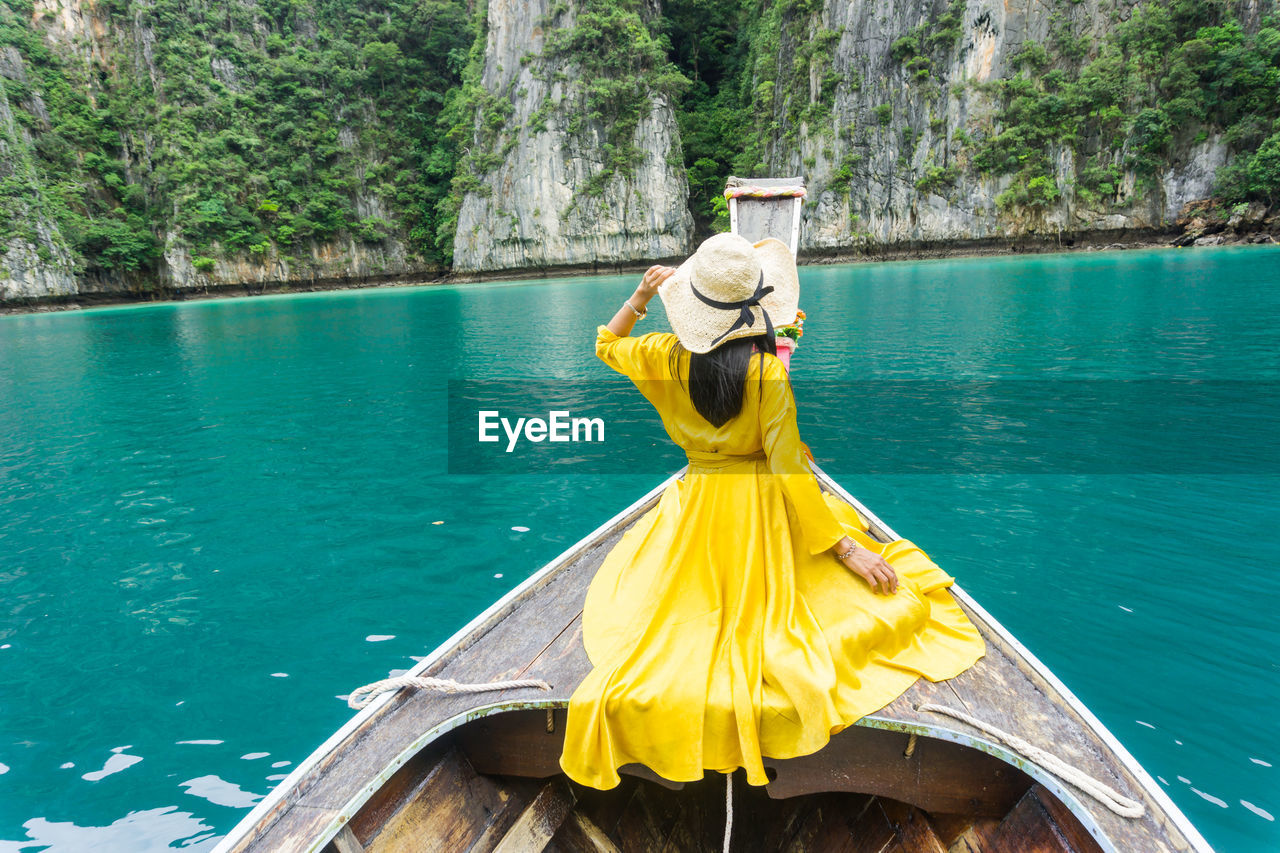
<point x="455" y="805"/>
<point x="418" y="770"/>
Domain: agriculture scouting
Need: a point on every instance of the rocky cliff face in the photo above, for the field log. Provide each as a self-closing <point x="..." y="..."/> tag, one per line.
<point x="36" y="261"/>
<point x="889" y="127"/>
<point x="92" y="53"/>
<point x="344" y="260"/>
<point x="551" y="199"/>
<point x="888" y="136"/>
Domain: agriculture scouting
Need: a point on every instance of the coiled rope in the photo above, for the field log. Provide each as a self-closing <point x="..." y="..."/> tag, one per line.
<point x="362" y="696"/>
<point x="1116" y="802"/>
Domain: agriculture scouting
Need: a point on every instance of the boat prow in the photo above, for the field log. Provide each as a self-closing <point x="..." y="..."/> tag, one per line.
<point x="479" y="772"/>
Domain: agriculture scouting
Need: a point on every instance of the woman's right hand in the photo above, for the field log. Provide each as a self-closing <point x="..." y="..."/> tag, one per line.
<point x="653" y="279"/>
<point x="869" y="566"/>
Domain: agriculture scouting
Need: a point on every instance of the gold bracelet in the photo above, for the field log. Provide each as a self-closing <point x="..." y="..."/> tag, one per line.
<point x="841" y="557"/>
<point x="640" y="315"/>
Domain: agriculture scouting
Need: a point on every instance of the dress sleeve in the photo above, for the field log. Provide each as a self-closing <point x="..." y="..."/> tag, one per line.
<point x="787" y="461"/>
<point x="642" y="357"/>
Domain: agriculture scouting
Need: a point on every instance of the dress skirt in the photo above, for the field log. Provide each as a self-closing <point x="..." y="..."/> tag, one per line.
<point x="717" y="638"/>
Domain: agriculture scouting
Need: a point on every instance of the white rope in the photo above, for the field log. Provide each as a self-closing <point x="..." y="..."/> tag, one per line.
<point x="1117" y="803"/>
<point x="728" y="809"/>
<point x="362" y="696"/>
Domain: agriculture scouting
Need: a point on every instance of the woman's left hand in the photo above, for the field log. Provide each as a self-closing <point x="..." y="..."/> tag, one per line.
<point x="872" y="568"/>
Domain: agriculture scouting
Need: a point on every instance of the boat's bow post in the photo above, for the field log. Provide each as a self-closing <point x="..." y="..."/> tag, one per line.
<point x="766" y="207"/>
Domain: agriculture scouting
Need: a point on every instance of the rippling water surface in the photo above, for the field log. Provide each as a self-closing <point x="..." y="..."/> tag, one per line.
<point x="217" y="518"/>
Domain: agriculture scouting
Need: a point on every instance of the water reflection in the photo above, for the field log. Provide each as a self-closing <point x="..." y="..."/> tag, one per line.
<point x="118" y="761"/>
<point x="220" y="792"/>
<point x="150" y="829"/>
<point x="1260" y="812"/>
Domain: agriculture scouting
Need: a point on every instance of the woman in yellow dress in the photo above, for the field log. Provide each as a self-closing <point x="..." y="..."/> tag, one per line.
<point x="748" y="614"/>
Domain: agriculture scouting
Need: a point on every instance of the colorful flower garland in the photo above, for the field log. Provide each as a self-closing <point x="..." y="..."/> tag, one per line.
<point x="795" y="331"/>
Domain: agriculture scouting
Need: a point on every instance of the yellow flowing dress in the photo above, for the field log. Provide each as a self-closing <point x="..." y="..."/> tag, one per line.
<point x="721" y="628"/>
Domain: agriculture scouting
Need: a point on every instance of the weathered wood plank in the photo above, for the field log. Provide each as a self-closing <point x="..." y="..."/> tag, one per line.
<point x="403" y="787"/>
<point x="949" y="827"/>
<point x="521" y="638"/>
<point x="869" y="832"/>
<point x="1066" y="823"/>
<point x="455" y="809"/>
<point x="527" y="636"/>
<point x="773" y="828"/>
<point x="606" y="808"/>
<point x="915" y="834"/>
<point x="296" y="828"/>
<point x="831" y="822"/>
<point x="345" y="842"/>
<point x="937" y="776"/>
<point x="540" y="820"/>
<point x="579" y="834"/>
<point x="516" y="743"/>
<point x="1028" y="829"/>
<point x="369" y="751"/>
<point x="975" y="836"/>
<point x="758" y="218"/>
<point x="562" y="663"/>
<point x="540" y="636"/>
<point x="1156" y="832"/>
<point x="652" y="816"/>
<point x="1005" y="692"/>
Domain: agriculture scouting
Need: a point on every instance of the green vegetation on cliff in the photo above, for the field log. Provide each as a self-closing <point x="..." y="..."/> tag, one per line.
<point x="248" y="129"/>
<point x="746" y="59"/>
<point x="64" y="161"/>
<point x="1164" y="79"/>
<point x="709" y="47"/>
<point x="623" y="65"/>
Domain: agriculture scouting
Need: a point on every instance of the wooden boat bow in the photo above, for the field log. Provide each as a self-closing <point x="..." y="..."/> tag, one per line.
<point x="442" y="751"/>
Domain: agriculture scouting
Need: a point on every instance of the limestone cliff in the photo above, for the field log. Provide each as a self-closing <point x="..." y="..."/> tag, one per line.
<point x="34" y="262"/>
<point x="890" y="162"/>
<point x="550" y="197"/>
<point x="158" y="145"/>
<point x="133" y="139"/>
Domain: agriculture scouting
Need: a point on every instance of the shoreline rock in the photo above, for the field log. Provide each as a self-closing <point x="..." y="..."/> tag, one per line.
<point x="1093" y="241"/>
<point x="1206" y="222"/>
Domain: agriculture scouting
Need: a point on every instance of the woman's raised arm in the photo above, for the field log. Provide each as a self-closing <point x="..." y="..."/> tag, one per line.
<point x="634" y="308"/>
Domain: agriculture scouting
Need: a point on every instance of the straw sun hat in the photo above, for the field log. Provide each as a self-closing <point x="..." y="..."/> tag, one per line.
<point x="730" y="289"/>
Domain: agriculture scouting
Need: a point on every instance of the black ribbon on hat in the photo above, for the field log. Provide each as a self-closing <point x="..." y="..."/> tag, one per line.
<point x="745" y="317"/>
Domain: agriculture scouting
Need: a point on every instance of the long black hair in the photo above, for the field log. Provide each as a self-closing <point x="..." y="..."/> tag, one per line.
<point x="718" y="379"/>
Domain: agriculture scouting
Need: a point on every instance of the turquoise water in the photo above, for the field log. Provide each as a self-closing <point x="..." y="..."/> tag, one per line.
<point x="217" y="518"/>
